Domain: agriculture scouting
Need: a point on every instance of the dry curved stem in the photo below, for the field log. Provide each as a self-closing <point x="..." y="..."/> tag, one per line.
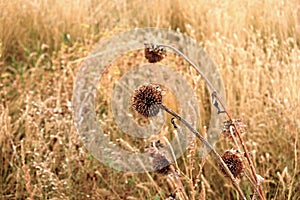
<point x="208" y="145"/>
<point x="217" y="98"/>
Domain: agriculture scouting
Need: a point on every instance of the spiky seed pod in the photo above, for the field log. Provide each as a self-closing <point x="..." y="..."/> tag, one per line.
<point x="147" y="99"/>
<point x="154" y="53"/>
<point x="229" y="123"/>
<point x="234" y="161"/>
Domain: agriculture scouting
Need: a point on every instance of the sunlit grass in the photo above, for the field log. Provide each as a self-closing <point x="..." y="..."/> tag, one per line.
<point x="255" y="45"/>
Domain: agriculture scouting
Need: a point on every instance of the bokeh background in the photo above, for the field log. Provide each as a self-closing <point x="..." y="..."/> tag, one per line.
<point x="255" y="45"/>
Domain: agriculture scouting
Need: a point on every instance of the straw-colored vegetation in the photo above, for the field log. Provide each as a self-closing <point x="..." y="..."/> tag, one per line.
<point x="255" y="44"/>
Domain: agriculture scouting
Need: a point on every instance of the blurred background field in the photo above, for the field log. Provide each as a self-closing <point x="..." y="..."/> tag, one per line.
<point x="255" y="44"/>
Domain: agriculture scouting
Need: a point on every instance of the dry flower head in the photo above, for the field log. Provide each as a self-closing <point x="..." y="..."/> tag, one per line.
<point x="147" y="99"/>
<point x="234" y="161"/>
<point x="160" y="162"/>
<point x="154" y="53"/>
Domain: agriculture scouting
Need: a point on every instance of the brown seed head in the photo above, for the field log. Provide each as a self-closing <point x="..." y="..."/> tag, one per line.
<point x="160" y="163"/>
<point x="234" y="161"/>
<point x="154" y="53"/>
<point x="147" y="99"/>
<point x="229" y="123"/>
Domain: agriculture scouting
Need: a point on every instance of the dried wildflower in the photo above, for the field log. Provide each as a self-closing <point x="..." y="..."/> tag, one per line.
<point x="147" y="99"/>
<point x="160" y="162"/>
<point x="230" y="123"/>
<point x="234" y="161"/>
<point x="154" y="53"/>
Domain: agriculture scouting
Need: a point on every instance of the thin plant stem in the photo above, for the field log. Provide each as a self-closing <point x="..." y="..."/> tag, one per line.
<point x="208" y="145"/>
<point x="178" y="182"/>
<point x="252" y="168"/>
<point x="233" y="137"/>
<point x="210" y="85"/>
<point x="255" y="187"/>
<point x="251" y="178"/>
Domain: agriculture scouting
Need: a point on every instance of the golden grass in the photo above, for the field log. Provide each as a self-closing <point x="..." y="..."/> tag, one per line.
<point x="255" y="45"/>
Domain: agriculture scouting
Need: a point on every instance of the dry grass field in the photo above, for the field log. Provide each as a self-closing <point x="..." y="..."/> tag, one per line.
<point x="255" y="45"/>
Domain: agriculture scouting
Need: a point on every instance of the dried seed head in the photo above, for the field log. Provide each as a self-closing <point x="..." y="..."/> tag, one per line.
<point x="234" y="161"/>
<point x="147" y="99"/>
<point x="160" y="162"/>
<point x="229" y="124"/>
<point x="154" y="53"/>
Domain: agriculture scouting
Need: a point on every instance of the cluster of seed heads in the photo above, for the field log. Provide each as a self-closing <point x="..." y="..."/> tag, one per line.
<point x="147" y="101"/>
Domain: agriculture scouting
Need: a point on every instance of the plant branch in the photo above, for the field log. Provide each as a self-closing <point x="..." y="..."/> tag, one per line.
<point x="208" y="145"/>
<point x="216" y="95"/>
<point x="210" y="85"/>
<point x="252" y="168"/>
<point x="254" y="185"/>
